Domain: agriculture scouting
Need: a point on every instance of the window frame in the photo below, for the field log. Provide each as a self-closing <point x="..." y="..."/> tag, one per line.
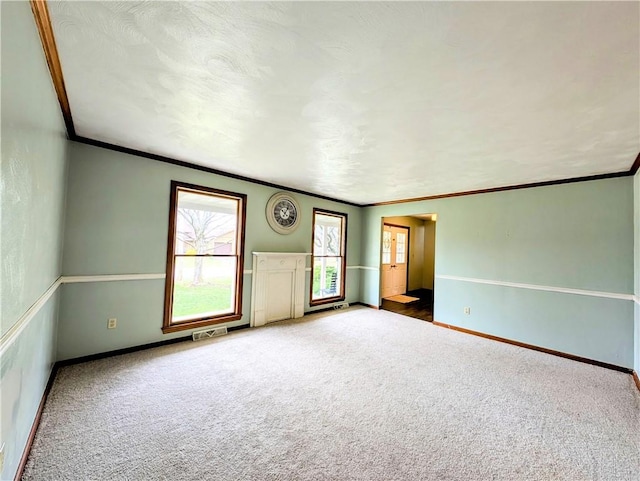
<point x="167" y="325"/>
<point x="343" y="255"/>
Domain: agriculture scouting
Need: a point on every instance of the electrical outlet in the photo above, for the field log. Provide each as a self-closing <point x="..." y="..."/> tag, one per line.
<point x="1" y="458"/>
<point x="112" y="323"/>
<point x="467" y="310"/>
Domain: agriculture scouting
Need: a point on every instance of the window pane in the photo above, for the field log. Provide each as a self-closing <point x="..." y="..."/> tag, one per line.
<point x="401" y="241"/>
<point x="386" y="247"/>
<point x="327" y="235"/>
<point x="327" y="277"/>
<point x="206" y="224"/>
<point x="203" y="286"/>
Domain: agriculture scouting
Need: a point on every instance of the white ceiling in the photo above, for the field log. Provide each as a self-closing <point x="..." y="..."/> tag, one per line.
<point x="365" y="102"/>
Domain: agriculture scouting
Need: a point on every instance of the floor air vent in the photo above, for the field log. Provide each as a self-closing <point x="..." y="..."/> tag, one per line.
<point x="206" y="334"/>
<point x="341" y="305"/>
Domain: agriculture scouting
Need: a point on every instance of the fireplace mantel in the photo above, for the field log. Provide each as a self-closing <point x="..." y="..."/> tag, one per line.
<point x="277" y="288"/>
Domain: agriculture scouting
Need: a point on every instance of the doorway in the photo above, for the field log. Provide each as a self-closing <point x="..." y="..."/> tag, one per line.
<point x="407" y="255"/>
<point x="395" y="250"/>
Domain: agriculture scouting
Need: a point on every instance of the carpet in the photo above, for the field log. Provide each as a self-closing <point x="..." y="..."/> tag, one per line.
<point x="401" y="298"/>
<point x="356" y="394"/>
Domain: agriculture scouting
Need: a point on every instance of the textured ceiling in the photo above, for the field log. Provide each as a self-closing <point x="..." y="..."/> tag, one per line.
<point x="365" y="102"/>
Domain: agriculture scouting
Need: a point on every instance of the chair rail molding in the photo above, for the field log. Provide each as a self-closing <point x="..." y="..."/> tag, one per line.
<point x="536" y="287"/>
<point x="14" y="331"/>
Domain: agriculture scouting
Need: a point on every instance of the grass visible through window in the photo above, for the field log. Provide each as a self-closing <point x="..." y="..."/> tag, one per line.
<point x="189" y="300"/>
<point x="326" y="285"/>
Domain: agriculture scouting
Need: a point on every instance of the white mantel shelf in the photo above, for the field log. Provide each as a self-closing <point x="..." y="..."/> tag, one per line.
<point x="277" y="287"/>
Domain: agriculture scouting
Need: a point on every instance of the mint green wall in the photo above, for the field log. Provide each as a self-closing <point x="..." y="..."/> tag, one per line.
<point x="636" y="246"/>
<point x="429" y="253"/>
<point x="33" y="167"/>
<point x="117" y="223"/>
<point x="576" y="235"/>
<point x="25" y="369"/>
<point x="32" y="184"/>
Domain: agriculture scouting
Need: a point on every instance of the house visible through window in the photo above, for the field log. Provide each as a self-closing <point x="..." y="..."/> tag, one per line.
<point x="204" y="259"/>
<point x="328" y="256"/>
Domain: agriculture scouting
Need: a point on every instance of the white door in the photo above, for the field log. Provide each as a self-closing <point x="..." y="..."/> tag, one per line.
<point x="395" y="249"/>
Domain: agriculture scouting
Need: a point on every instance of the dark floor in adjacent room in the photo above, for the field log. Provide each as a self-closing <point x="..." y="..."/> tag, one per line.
<point x="421" y="309"/>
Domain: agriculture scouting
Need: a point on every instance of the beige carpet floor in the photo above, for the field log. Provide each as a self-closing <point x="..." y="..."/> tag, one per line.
<point x="352" y="395"/>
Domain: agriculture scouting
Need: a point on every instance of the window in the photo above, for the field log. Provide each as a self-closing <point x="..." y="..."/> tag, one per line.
<point x="401" y="247"/>
<point x="204" y="257"/>
<point x="328" y="256"/>
<point x="386" y="247"/>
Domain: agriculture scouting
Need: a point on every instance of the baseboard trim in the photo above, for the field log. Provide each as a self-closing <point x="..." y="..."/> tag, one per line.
<point x="128" y="350"/>
<point x="572" y="357"/>
<point x="334" y="306"/>
<point x="36" y="423"/>
<point x="117" y="352"/>
<point x="636" y="379"/>
<point x="377" y="308"/>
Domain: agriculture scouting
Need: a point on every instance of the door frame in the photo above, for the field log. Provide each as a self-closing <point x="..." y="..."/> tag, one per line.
<point x="408" y="252"/>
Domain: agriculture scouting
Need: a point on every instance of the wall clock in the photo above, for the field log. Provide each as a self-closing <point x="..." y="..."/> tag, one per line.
<point x="283" y="213"/>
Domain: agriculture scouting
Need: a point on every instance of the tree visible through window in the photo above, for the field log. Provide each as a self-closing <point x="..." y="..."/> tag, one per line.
<point x="328" y="256"/>
<point x="204" y="260"/>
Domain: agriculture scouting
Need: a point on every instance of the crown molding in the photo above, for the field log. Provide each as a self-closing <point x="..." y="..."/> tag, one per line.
<point x="635" y="166"/>
<point x="571" y="180"/>
<point x="209" y="170"/>
<point x="45" y="30"/>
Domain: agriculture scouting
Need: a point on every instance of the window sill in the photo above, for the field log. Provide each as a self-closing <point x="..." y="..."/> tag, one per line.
<point x="183" y="326"/>
<point x="328" y="300"/>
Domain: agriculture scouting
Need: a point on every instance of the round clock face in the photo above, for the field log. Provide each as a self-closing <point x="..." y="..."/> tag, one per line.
<point x="283" y="213"/>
